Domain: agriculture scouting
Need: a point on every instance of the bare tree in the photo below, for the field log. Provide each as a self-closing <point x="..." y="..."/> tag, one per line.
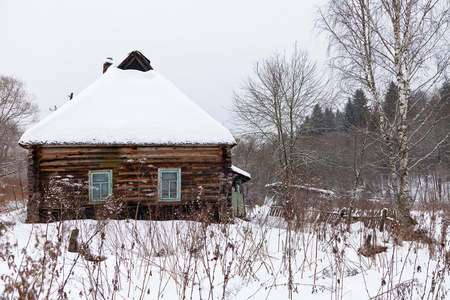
<point x="272" y="106"/>
<point x="16" y="111"/>
<point x="274" y="103"/>
<point x="373" y="41"/>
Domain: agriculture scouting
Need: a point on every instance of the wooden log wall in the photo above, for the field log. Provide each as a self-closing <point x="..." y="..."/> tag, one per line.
<point x="135" y="172"/>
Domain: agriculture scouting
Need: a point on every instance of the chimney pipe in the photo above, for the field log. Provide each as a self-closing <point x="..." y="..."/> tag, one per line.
<point x="108" y="62"/>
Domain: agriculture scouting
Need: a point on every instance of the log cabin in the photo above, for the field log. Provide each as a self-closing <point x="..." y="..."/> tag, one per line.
<point x="131" y="142"/>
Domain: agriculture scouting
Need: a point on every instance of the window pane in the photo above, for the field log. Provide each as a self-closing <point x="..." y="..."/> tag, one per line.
<point x="96" y="188"/>
<point x="95" y="192"/>
<point x="105" y="189"/>
<point x="169" y="175"/>
<point x="173" y="188"/>
<point x="100" y="177"/>
<point x="164" y="189"/>
<point x="165" y="186"/>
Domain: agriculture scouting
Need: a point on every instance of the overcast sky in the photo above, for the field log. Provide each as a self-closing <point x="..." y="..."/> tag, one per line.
<point x="205" y="47"/>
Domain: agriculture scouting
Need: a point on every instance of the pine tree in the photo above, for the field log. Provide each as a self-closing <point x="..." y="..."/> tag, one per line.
<point x="391" y="101"/>
<point x="349" y="115"/>
<point x="445" y="92"/>
<point x="339" y="120"/>
<point x="317" y="121"/>
<point x="357" y="112"/>
<point x="330" y="120"/>
<point x="360" y="108"/>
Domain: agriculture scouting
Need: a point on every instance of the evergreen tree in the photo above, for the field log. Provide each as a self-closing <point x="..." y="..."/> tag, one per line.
<point x="360" y="108"/>
<point x="390" y="101"/>
<point x="349" y="115"/>
<point x="357" y="112"/>
<point x="306" y="126"/>
<point x="445" y="92"/>
<point x="330" y="120"/>
<point x="339" y="120"/>
<point x="317" y="121"/>
<point x="374" y="120"/>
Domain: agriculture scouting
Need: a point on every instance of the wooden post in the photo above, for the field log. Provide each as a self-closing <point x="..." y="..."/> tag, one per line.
<point x="383" y="219"/>
<point x="349" y="217"/>
<point x="368" y="242"/>
<point x="73" y="242"/>
<point x="445" y="224"/>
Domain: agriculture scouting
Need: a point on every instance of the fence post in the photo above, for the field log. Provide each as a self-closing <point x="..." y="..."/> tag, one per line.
<point x="349" y="219"/>
<point x="383" y="218"/>
<point x="73" y="241"/>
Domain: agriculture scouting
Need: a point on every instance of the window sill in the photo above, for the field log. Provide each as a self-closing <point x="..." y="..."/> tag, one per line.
<point x="96" y="202"/>
<point x="169" y="200"/>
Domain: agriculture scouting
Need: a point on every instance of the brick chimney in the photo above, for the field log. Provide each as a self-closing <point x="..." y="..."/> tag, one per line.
<point x="108" y="62"/>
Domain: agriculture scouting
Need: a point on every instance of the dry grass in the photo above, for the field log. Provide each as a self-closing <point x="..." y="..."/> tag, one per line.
<point x="204" y="260"/>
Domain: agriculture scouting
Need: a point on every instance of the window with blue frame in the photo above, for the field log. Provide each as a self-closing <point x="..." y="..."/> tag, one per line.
<point x="100" y="185"/>
<point x="169" y="184"/>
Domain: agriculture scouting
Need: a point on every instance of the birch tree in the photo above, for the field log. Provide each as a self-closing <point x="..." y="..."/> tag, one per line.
<point x="375" y="41"/>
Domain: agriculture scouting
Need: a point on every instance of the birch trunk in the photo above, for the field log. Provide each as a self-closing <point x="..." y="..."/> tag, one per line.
<point x="400" y="55"/>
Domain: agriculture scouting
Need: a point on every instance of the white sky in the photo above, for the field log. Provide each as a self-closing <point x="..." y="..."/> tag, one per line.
<point x="205" y="47"/>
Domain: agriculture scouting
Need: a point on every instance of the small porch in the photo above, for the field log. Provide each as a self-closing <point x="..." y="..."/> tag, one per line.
<point x="240" y="203"/>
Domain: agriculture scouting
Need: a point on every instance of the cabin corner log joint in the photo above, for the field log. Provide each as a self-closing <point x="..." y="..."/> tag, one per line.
<point x="171" y="168"/>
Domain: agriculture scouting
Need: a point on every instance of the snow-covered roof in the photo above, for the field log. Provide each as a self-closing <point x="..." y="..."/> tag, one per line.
<point x="240" y="172"/>
<point x="129" y="107"/>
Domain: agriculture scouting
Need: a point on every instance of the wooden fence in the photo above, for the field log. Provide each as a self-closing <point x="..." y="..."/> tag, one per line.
<point x="371" y="218"/>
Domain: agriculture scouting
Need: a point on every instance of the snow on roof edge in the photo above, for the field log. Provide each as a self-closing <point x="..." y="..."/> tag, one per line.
<point x="40" y="143"/>
<point x="240" y="171"/>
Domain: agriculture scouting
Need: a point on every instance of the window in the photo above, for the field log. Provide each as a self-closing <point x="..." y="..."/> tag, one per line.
<point x="100" y="185"/>
<point x="169" y="184"/>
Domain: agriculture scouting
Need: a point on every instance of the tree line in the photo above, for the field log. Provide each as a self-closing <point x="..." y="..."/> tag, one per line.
<point x="358" y="112"/>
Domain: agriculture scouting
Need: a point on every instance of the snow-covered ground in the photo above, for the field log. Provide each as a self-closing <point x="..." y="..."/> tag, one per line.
<point x="194" y="260"/>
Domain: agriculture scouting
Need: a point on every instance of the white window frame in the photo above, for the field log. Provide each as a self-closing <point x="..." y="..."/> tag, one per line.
<point x="160" y="185"/>
<point x="91" y="185"/>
